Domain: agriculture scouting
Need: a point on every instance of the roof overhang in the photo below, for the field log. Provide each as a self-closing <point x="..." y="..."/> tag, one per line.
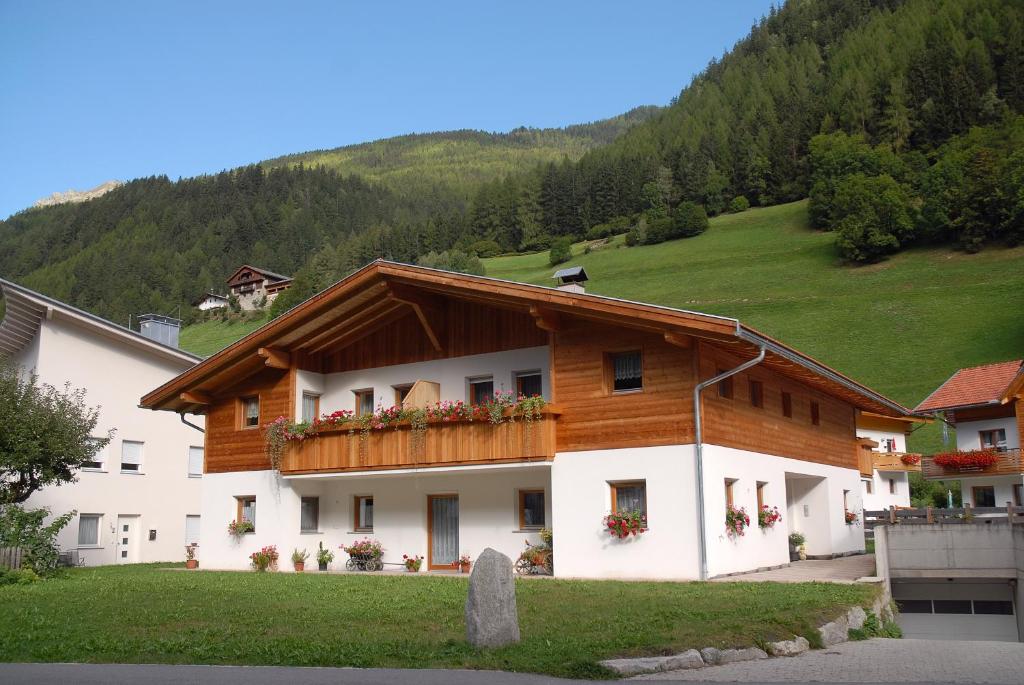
<point x="26" y="310"/>
<point x="383" y="291"/>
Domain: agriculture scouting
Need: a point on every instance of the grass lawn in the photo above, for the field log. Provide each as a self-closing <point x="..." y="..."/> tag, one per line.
<point x="207" y="337"/>
<point x="144" y="614"/>
<point x="902" y="326"/>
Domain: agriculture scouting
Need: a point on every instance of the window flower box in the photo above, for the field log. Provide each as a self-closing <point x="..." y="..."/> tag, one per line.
<point x="622" y="524"/>
<point x="767" y="517"/>
<point x="736" y="521"/>
<point x="971" y="460"/>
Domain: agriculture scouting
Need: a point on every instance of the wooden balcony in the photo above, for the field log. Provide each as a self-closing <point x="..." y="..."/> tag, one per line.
<point x="456" y="443"/>
<point x="1009" y="464"/>
<point x="869" y="462"/>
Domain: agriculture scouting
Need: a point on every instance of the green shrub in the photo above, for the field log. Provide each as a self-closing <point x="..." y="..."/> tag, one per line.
<point x="739" y="204"/>
<point x="873" y="627"/>
<point x="659" y="230"/>
<point x="561" y="251"/>
<point x="26" y="528"/>
<point x="690" y="220"/>
<point x="619" y="224"/>
<point x="22" y="576"/>
<point x="485" y="248"/>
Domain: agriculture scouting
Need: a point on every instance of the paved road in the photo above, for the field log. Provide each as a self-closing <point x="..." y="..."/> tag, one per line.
<point x="877" y="661"/>
<point x="841" y="570"/>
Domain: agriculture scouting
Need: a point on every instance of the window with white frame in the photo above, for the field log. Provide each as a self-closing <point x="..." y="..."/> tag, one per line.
<point x="195" y="462"/>
<point x="131" y="456"/>
<point x="192" y="529"/>
<point x="89" y="530"/>
<point x="95" y="462"/>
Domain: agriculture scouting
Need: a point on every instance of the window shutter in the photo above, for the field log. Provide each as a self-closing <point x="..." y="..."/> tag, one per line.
<point x="195" y="461"/>
<point x="131" y="455"/>
<point x="192" y="530"/>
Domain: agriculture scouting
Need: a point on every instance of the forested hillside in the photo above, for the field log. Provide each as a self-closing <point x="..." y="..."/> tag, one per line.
<point x="898" y="117"/>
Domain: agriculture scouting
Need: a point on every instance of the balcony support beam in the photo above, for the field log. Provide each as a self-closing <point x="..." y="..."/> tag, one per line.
<point x="275" y="358"/>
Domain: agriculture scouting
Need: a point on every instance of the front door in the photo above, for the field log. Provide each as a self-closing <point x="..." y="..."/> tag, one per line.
<point x="443" y="525"/>
<point x="127" y="539"/>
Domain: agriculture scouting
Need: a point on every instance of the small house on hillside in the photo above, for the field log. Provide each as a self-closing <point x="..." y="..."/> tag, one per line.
<point x="210" y="301"/>
<point x="255" y="287"/>
<point x="986" y="406"/>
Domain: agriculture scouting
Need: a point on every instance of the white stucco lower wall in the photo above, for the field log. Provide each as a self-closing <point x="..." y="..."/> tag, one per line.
<point x="1002" y="487"/>
<point x="882" y="496"/>
<point x="488" y="512"/>
<point x="899" y="439"/>
<point x="968" y="432"/>
<point x="808" y="494"/>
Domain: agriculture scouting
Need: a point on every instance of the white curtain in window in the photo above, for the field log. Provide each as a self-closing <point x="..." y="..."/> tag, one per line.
<point x="131" y="455"/>
<point x="627" y="366"/>
<point x="88" y="529"/>
<point x="308" y="514"/>
<point x="191" y="530"/>
<point x="195" y="461"/>
<point x="366" y="512"/>
<point x="249" y="511"/>
<point x="308" y="407"/>
<point x="629" y="498"/>
<point x="252" y="409"/>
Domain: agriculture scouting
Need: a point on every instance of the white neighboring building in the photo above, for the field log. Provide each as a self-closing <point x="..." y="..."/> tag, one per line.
<point x="210" y="301"/>
<point x="885" y="472"/>
<point x="140" y="501"/>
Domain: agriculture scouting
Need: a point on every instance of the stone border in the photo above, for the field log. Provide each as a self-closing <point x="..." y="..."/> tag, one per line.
<point x="832" y="633"/>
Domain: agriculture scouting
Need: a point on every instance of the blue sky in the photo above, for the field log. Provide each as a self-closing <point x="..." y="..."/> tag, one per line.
<point x="92" y="91"/>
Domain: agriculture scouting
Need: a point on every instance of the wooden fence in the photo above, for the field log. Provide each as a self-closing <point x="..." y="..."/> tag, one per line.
<point x="900" y="516"/>
<point x="10" y="557"/>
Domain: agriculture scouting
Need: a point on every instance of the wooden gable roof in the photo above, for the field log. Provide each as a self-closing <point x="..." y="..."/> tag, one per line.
<point x="382" y="292"/>
<point x="255" y="274"/>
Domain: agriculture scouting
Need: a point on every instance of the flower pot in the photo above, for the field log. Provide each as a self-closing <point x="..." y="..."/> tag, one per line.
<point x="464" y="568"/>
<point x="191" y="563"/>
<point x="322" y="566"/>
<point x="300" y="566"/>
<point x="803" y="553"/>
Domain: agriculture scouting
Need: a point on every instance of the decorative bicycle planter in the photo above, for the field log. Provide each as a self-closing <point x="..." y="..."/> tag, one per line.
<point x="364" y="562"/>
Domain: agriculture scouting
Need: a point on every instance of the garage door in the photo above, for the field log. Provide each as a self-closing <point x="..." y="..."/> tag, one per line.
<point x="956" y="610"/>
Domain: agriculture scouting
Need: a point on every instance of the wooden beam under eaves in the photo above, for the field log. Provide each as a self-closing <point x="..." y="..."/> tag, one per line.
<point x="274" y="358"/>
<point x="430" y="310"/>
<point x="678" y="339"/>
<point x="546" y="319"/>
<point x="195" y="397"/>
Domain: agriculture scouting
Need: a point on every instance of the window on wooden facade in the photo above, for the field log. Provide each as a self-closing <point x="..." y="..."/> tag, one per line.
<point x="868" y="486"/>
<point x="246" y="509"/>
<point x="1018" y="495"/>
<point x="364" y="402"/>
<point x="481" y="390"/>
<point x="89" y="529"/>
<point x="629" y="496"/>
<point x="528" y="383"/>
<point x="760" y="494"/>
<point x="984" y="495"/>
<point x="626" y="370"/>
<point x="729" y="482"/>
<point x="724" y="386"/>
<point x="401" y="392"/>
<point x="756" y="394"/>
<point x="892" y="486"/>
<point x="363" y="518"/>
<point x="993" y="439"/>
<point x="310" y="406"/>
<point x="815" y="414"/>
<point x="309" y="514"/>
<point x="531" y="509"/>
<point x="131" y="456"/>
<point x="96" y="459"/>
<point x="787" y="405"/>
<point x="195" y="462"/>
<point x="250" y="412"/>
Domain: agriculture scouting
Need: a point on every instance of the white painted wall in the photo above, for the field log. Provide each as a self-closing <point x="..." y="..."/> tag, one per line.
<point x="211" y="303"/>
<point x="968" y="438"/>
<point x="115" y="375"/>
<point x="581" y="498"/>
<point x="880" y="436"/>
<point x="1003" y="486"/>
<point x="488" y="512"/>
<point x="880" y="496"/>
<point x="337" y="389"/>
<point x="791" y="484"/>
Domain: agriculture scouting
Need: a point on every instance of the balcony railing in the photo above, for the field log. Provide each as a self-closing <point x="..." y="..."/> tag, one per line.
<point x="455" y="443"/>
<point x="1008" y="463"/>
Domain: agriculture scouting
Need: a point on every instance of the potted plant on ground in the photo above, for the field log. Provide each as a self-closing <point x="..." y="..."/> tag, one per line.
<point x="796" y="546"/>
<point x="299" y="560"/>
<point x="364" y="555"/>
<point x="265" y="559"/>
<point x="413" y="563"/>
<point x="463" y="564"/>
<point x="190" y="556"/>
<point x="324" y="557"/>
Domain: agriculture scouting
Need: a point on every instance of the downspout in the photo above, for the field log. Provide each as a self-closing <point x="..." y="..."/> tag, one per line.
<point x="699" y="453"/>
<point x="189" y="423"/>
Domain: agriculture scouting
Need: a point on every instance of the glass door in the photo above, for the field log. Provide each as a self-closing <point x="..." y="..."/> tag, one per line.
<point x="443" y="524"/>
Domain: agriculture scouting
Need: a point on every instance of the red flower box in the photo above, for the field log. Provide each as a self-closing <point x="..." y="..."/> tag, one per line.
<point x="911" y="459"/>
<point x="973" y="459"/>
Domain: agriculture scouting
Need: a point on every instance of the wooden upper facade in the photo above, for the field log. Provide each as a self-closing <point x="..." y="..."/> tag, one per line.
<point x="390" y="314"/>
